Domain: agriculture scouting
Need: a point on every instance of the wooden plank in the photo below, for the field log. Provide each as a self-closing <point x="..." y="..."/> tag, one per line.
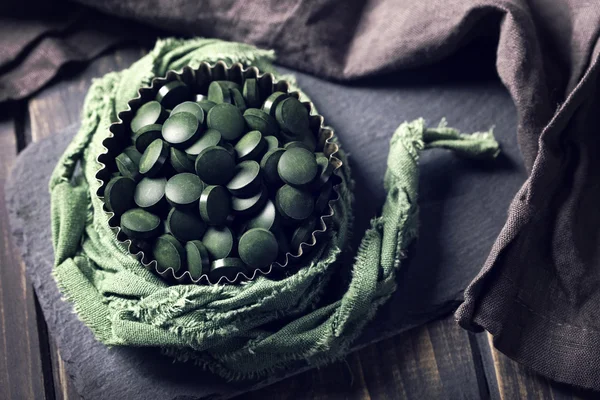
<point x="50" y="111"/>
<point x="432" y="361"/>
<point x="21" y="369"/>
<point x="516" y="381"/>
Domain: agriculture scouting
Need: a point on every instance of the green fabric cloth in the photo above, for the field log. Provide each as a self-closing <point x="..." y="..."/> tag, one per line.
<point x="237" y="331"/>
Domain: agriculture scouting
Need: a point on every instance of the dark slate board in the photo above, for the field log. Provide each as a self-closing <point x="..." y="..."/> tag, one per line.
<point x="463" y="208"/>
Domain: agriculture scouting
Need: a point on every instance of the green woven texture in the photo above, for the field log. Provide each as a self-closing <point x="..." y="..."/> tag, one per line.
<point x="237" y="331"/>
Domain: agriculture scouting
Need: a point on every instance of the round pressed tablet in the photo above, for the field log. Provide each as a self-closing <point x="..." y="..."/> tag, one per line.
<point x="227" y="119"/>
<point x="248" y="206"/>
<point x="292" y="116"/>
<point x="251" y="146"/>
<point x="218" y="241"/>
<point x="148" y="114"/>
<point x="228" y="267"/>
<point x="211" y="137"/>
<point x="272" y="142"/>
<point x="147" y="135"/>
<point x="185" y="225"/>
<point x="150" y="192"/>
<point x="323" y="198"/>
<point x="293" y="203"/>
<point x="266" y="218"/>
<point x="118" y="194"/>
<point x="297" y="167"/>
<point x="198" y="260"/>
<point x="258" y="248"/>
<point x="218" y="93"/>
<point x="246" y="179"/>
<point x="215" y="165"/>
<point x="230" y="84"/>
<point x="184" y="190"/>
<point x="237" y="99"/>
<point x="251" y="93"/>
<point x="133" y="153"/>
<point x="180" y="161"/>
<point x="303" y="233"/>
<point x="206" y="105"/>
<point x="324" y="171"/>
<point x="268" y="165"/>
<point x="229" y="147"/>
<point x="192" y="108"/>
<point x="140" y="224"/>
<point x="127" y="167"/>
<point x="154" y="158"/>
<point x="172" y="94"/>
<point x="215" y="205"/>
<point x="168" y="253"/>
<point x="272" y="101"/>
<point x="181" y="129"/>
<point x="259" y="120"/>
<point x="295" y="144"/>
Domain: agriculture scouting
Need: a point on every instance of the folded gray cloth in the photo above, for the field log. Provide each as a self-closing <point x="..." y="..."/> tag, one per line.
<point x="455" y="196"/>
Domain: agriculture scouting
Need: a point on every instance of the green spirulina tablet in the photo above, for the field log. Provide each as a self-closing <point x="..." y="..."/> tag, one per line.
<point x="292" y="116"/>
<point x="154" y="158"/>
<point x="303" y="234"/>
<point x="147" y="135"/>
<point x="118" y="194"/>
<point x="198" y="259"/>
<point x="272" y="101"/>
<point x="272" y="142"/>
<point x="297" y="167"/>
<point x="258" y="248"/>
<point x="173" y="93"/>
<point x="266" y="218"/>
<point x="140" y="224"/>
<point x="323" y="198"/>
<point x="229" y="147"/>
<point x="246" y="179"/>
<point x="215" y="165"/>
<point x="192" y="108"/>
<point x="218" y="93"/>
<point x="168" y="253"/>
<point x="133" y="153"/>
<point x="128" y="167"/>
<point x="248" y="206"/>
<point x="181" y="129"/>
<point x="148" y="114"/>
<point x="227" y="119"/>
<point x="150" y="192"/>
<point x="258" y="120"/>
<point x="297" y="144"/>
<point x="237" y="99"/>
<point x="251" y="93"/>
<point x="228" y="267"/>
<point x="215" y="205"/>
<point x="268" y="165"/>
<point x="206" y="105"/>
<point x="180" y="161"/>
<point x="251" y="146"/>
<point x="185" y="225"/>
<point x="184" y="190"/>
<point x="210" y="138"/>
<point x="218" y="241"/>
<point x="294" y="204"/>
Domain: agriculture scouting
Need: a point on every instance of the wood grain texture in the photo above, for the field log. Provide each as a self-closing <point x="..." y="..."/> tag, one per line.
<point x="21" y="369"/>
<point x="430" y="362"/>
<point x="516" y="381"/>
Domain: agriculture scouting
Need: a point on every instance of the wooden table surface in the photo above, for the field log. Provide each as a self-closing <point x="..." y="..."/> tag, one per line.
<point x="438" y="360"/>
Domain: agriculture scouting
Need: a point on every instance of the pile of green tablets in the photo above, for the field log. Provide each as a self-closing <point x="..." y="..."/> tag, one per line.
<point x="222" y="182"/>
